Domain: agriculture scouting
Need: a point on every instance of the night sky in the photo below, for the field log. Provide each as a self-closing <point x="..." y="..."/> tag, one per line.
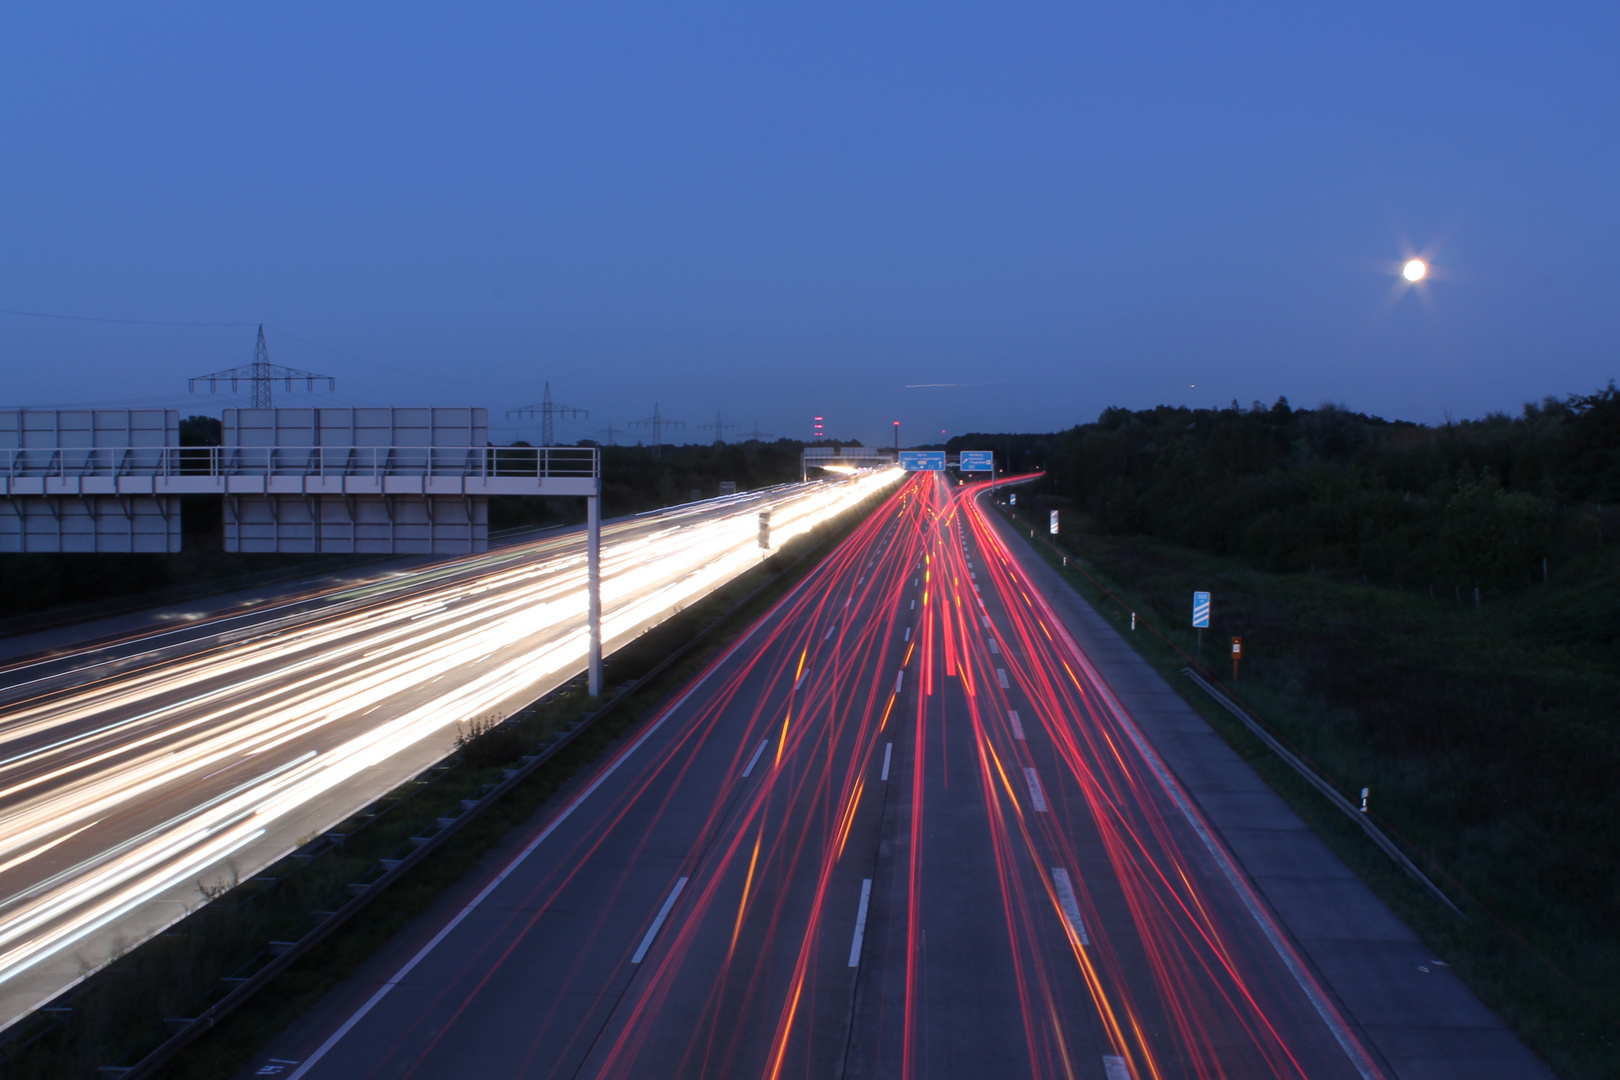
<point x="777" y="213"/>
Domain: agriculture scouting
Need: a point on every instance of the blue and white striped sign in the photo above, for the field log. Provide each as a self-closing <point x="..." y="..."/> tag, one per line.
<point x="1201" y="609"/>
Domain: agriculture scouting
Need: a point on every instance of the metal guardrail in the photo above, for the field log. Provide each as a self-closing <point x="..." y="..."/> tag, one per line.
<point x="374" y="461"/>
<point x="1345" y="805"/>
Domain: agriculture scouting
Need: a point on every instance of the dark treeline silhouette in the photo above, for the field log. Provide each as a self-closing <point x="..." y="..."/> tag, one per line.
<point x="1476" y="502"/>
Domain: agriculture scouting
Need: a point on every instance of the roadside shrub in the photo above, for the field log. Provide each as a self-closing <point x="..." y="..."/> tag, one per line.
<point x="486" y="742"/>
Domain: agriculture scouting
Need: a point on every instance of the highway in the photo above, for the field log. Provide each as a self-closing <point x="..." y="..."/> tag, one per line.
<point x="901" y="828"/>
<point x="137" y="770"/>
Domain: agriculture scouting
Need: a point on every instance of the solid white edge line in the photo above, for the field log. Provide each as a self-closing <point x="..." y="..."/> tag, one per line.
<point x="860" y="923"/>
<point x="1037" y="797"/>
<point x="455" y="921"/>
<point x="1018" y="728"/>
<point x="755" y="759"/>
<point x="888" y="752"/>
<point x="1351" y="1046"/>
<point x="1070" y="906"/>
<point x="658" y="922"/>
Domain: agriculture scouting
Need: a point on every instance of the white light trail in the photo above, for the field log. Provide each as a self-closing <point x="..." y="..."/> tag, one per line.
<point x="148" y="757"/>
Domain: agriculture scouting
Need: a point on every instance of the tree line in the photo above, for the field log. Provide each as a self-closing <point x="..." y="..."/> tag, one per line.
<point x="1457" y="505"/>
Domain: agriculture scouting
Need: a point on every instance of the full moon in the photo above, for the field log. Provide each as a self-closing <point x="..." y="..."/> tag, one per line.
<point x="1414" y="270"/>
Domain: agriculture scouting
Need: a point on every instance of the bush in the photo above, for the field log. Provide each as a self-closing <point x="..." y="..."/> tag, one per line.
<point x="486" y="742"/>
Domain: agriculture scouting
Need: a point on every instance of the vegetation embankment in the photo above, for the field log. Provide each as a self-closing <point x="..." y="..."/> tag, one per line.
<point x="1346" y="552"/>
<point x="119" y="1015"/>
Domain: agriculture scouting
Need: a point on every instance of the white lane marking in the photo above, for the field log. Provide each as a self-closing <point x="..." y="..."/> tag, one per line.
<point x="1037" y="797"/>
<point x="914" y="605"/>
<point x="900" y="677"/>
<point x="1070" y="906"/>
<point x="803" y="675"/>
<point x="1114" y="1068"/>
<point x="972" y="576"/>
<point x="908" y="633"/>
<point x="914" y="581"/>
<point x="888" y="752"/>
<point x="986" y="619"/>
<point x="663" y="913"/>
<point x="846" y="602"/>
<point x="506" y="871"/>
<point x="755" y="759"/>
<point x="860" y="923"/>
<point x="1001" y="677"/>
<point x="830" y="630"/>
<point x="993" y="646"/>
<point x="1018" y="729"/>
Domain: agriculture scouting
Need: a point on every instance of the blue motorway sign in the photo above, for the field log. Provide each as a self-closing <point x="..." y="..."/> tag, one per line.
<point x="1200" y="609"/>
<point x="977" y="461"/>
<point x="922" y="460"/>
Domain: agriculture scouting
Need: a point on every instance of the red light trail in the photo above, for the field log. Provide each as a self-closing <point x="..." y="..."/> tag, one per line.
<point x="1031" y="885"/>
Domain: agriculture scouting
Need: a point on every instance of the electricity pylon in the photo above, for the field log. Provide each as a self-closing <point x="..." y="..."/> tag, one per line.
<point x="261" y="373"/>
<point x="548" y="411"/>
<point x="719" y="427"/>
<point x="658" y="423"/>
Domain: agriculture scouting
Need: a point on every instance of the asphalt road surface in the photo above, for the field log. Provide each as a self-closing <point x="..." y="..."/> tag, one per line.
<point x="900" y="829"/>
<point x="135" y="771"/>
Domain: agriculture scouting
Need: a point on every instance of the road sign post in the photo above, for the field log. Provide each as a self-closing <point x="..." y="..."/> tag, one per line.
<point x="1200" y="617"/>
<point x="1237" y="654"/>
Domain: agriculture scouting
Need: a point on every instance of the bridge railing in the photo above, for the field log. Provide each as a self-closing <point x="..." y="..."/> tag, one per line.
<point x="375" y="461"/>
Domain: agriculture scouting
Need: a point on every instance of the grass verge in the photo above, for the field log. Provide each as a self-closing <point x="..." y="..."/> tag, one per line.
<point x="1477" y="736"/>
<point x="119" y="1015"/>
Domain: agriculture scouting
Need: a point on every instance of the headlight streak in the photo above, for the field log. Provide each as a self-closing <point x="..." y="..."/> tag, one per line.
<point x="309" y="684"/>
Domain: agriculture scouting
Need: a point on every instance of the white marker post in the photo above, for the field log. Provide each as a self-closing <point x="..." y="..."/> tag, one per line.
<point x="1052" y="526"/>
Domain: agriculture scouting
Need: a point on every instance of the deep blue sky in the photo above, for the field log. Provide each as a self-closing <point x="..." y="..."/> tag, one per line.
<point x="776" y="213"/>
